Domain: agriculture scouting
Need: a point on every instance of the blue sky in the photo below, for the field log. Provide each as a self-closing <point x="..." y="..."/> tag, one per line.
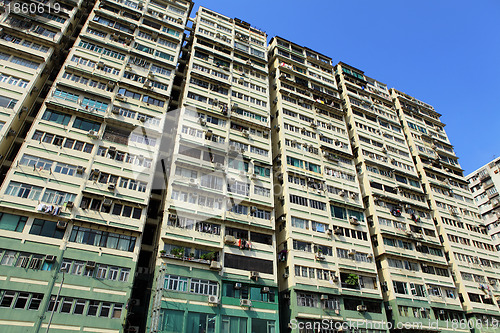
<point x="445" y="53"/>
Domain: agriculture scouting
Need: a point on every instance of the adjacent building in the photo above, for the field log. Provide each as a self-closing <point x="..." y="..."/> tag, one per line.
<point x="484" y="184"/>
<point x="216" y="269"/>
<point x="415" y="279"/>
<point x="74" y="202"/>
<point x="33" y="41"/>
<point x="471" y="255"/>
<point x="325" y="261"/>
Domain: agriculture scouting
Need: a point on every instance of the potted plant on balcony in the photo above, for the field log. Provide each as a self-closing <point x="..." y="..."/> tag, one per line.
<point x="208" y="256"/>
<point x="178" y="252"/>
<point x="162" y="253"/>
<point x="352" y="280"/>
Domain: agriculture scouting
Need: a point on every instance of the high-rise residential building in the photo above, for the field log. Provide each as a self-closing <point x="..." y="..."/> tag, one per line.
<point x="168" y="174"/>
<point x="484" y="184"/>
<point x="73" y="204"/>
<point x="326" y="268"/>
<point x="33" y="40"/>
<point x="472" y="257"/>
<point x="415" y="279"/>
<point x="216" y="268"/>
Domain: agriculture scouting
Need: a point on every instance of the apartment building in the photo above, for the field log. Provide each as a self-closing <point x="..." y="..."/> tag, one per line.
<point x="73" y="204"/>
<point x="472" y="257"/>
<point x="326" y="268"/>
<point x="33" y="37"/>
<point x="484" y="184"/>
<point x="216" y="269"/>
<point x="415" y="279"/>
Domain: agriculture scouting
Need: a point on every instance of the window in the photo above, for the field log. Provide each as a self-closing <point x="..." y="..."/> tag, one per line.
<point x="102" y="238"/>
<point x="105" y="309"/>
<point x="57" y="197"/>
<point x="7" y="299"/>
<point x="92" y="308"/>
<point x="12" y="222"/>
<point x="8" y="102"/>
<point x="24" y="62"/>
<point x="79" y="306"/>
<point x="86" y="125"/>
<point x="23" y="190"/>
<point x="203" y="287"/>
<point x="117" y="311"/>
<point x="35" y="301"/>
<point x="300" y="223"/>
<point x="308" y="300"/>
<point x="8" y="258"/>
<point x="67" y="304"/>
<point x="176" y="283"/>
<point x="46" y="229"/>
<point x="400" y="287"/>
<point x="56" y="117"/>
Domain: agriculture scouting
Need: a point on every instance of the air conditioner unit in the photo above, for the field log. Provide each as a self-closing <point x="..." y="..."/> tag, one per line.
<point x="369" y="256"/>
<point x="111" y="187"/>
<point x="215" y="265"/>
<point x="337" y="231"/>
<point x="142" y="118"/>
<point x="93" y="134"/>
<point x="50" y="258"/>
<point x="61" y="225"/>
<point x="285" y="275"/>
<point x="203" y="122"/>
<point x="265" y="290"/>
<point x="254" y="275"/>
<point x="253" y="209"/>
<point x="246" y="133"/>
<point x="361" y="308"/>
<point x="193" y="182"/>
<point x="351" y="252"/>
<point x="213" y="299"/>
<point x="320" y="256"/>
<point x="342" y="193"/>
<point x="354" y="220"/>
<point x="329" y="232"/>
<point x="228" y="239"/>
<point x="69" y="204"/>
<point x="90" y="264"/>
<point x="80" y="169"/>
<point x="324" y="297"/>
<point x="245" y="302"/>
<point x="100" y="64"/>
<point x="237" y="285"/>
<point x="120" y="97"/>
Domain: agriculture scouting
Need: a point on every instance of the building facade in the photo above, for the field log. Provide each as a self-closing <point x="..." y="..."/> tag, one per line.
<point x="216" y="267"/>
<point x="325" y="260"/>
<point x="415" y="280"/>
<point x="471" y="255"/>
<point x="74" y="202"/>
<point x="484" y="184"/>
